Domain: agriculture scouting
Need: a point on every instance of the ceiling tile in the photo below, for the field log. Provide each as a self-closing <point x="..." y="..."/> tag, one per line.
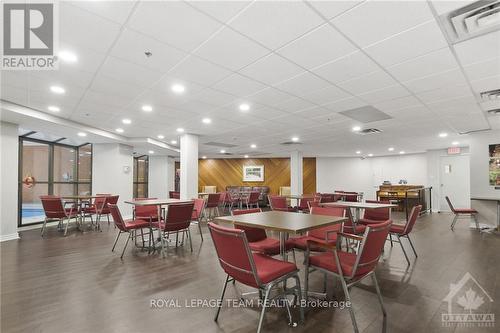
<point x="115" y="87"/>
<point x="330" y="9"/>
<point x="384" y="94"/>
<point x="373" y="81"/>
<point x="214" y="97"/>
<point x="269" y="96"/>
<point x="346" y="68"/>
<point x="116" y="11"/>
<point x="488" y="83"/>
<point x="326" y="95"/>
<point x="448" y="92"/>
<point x="239" y="85"/>
<point x="479" y="49"/>
<point x="373" y="21"/>
<point x="220" y="10"/>
<point x="278" y="22"/>
<point x="199" y="71"/>
<point x="398" y="103"/>
<point x="480" y="70"/>
<point x="448" y="6"/>
<point x="271" y="70"/>
<point x="294" y="105"/>
<point x="302" y="84"/>
<point x="436" y="81"/>
<point x="125" y="71"/>
<point x="345" y="104"/>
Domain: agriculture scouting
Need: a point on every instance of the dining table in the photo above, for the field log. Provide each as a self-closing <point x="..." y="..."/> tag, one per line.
<point x="79" y="201"/>
<point x="358" y="206"/>
<point x="497" y="200"/>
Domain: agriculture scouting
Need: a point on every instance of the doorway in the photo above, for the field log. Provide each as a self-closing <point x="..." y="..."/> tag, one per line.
<point x="454" y="181"/>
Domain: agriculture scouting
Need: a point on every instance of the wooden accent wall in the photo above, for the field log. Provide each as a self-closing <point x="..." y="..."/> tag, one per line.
<point x="226" y="172"/>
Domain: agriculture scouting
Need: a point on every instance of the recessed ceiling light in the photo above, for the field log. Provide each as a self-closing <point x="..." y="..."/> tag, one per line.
<point x="180" y="130"/>
<point x="206" y="120"/>
<point x="178" y="88"/>
<point x="244" y="107"/>
<point x="53" y="108"/>
<point x="67" y="56"/>
<point x="402" y="152"/>
<point x="246" y="156"/>
<point x="390" y="149"/>
<point x="204" y="157"/>
<point x="126" y="121"/>
<point x="356" y="129"/>
<point x="151" y="152"/>
<point x="295" y="139"/>
<point x="147" y="108"/>
<point x="119" y="130"/>
<point x="82" y="134"/>
<point x="57" y="90"/>
<point x="455" y="143"/>
<point x="222" y="151"/>
<point x="159" y="136"/>
<point x="370" y="155"/>
<point x="443" y="135"/>
<point x="253" y="145"/>
<point x="174" y="142"/>
<point x="358" y="152"/>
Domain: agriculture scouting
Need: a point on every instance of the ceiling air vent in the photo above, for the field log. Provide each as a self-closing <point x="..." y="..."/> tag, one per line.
<point x="478" y="18"/>
<point x="494" y="112"/>
<point x="289" y="143"/>
<point x="490" y="95"/>
<point x="367" y="131"/>
<point x="220" y="144"/>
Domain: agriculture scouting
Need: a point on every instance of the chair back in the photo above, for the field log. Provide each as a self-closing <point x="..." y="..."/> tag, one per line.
<point x="178" y="216"/>
<point x="322" y="233"/>
<point x="117" y="217"/>
<point x="199" y="205"/>
<point x="222" y="198"/>
<point x="327" y="197"/>
<point x="304" y="203"/>
<point x="234" y="254"/>
<point x="174" y="195"/>
<point x="253" y="198"/>
<point x="313" y="203"/>
<point x="100" y="203"/>
<point x="378" y="214"/>
<point x="113" y="199"/>
<point x="213" y="200"/>
<point x="415" y="212"/>
<point x="351" y="196"/>
<point x="146" y="212"/>
<point x="253" y="234"/>
<point x="277" y="202"/>
<point x="450" y="204"/>
<point x="328" y="211"/>
<point x="371" y="248"/>
<point x="53" y="207"/>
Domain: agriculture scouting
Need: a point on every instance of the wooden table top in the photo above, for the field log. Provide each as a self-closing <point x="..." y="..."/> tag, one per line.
<point x="357" y="204"/>
<point x="284" y="221"/>
<point x="156" y="202"/>
<point x="81" y="197"/>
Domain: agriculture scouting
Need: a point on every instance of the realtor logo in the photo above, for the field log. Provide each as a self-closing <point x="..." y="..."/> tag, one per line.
<point x="29" y="36"/>
<point x="468" y="303"/>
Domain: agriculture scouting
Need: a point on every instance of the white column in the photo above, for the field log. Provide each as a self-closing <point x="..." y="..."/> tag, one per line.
<point x="112" y="172"/>
<point x="9" y="159"/>
<point x="158" y="185"/>
<point x="171" y="174"/>
<point x="296" y="172"/>
<point x="189" y="166"/>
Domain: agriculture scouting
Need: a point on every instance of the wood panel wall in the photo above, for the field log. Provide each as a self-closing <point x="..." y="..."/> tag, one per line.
<point x="227" y="172"/>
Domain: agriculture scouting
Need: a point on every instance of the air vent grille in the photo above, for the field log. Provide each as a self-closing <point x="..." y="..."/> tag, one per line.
<point x="289" y="143"/>
<point x="491" y="95"/>
<point x="220" y="144"/>
<point x="367" y="131"/>
<point x="494" y="112"/>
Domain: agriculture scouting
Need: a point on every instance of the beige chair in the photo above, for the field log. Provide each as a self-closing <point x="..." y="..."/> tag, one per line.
<point x="285" y="190"/>
<point x="209" y="189"/>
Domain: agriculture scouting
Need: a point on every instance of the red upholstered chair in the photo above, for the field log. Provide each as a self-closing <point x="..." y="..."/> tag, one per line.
<point x="252" y="269"/>
<point x="198" y="209"/>
<point x="403" y="230"/>
<point x="304" y="204"/>
<point x="257" y="237"/>
<point x="222" y="202"/>
<point x="376" y="215"/>
<point x="126" y="226"/>
<point x="213" y="205"/>
<point x="146" y="213"/>
<point x="462" y="212"/>
<point x="351" y="196"/>
<point x="54" y="209"/>
<point x="174" y="195"/>
<point x="352" y="267"/>
<point x="110" y="200"/>
<point x="96" y="208"/>
<point x="252" y="200"/>
<point x="232" y="200"/>
<point x="327" y="197"/>
<point x="279" y="203"/>
<point x="178" y="220"/>
<point x="350" y="227"/>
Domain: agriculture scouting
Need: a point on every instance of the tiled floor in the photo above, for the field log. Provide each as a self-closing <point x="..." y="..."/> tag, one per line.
<point x="76" y="284"/>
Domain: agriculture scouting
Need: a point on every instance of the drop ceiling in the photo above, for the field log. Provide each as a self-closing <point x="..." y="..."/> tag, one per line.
<point x="297" y="64"/>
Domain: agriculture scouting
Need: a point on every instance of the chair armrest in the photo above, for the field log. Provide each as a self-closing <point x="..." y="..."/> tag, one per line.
<point x="346" y="235"/>
<point x="328" y="233"/>
<point x="320" y="244"/>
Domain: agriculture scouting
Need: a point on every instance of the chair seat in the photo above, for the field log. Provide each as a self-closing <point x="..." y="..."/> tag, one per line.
<point x="269" y="269"/>
<point x="397" y="228"/>
<point x="360" y="228"/>
<point x="301" y="242"/>
<point x="327" y="261"/>
<point x="288" y="209"/>
<point x="136" y="224"/>
<point x="152" y="217"/>
<point x="369" y="221"/>
<point x="465" y="211"/>
<point x="269" y="246"/>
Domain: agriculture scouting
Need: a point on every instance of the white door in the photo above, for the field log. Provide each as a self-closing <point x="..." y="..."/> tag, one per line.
<point x="455" y="181"/>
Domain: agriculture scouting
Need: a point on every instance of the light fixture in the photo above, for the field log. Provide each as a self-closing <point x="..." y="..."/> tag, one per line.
<point x="356" y="129"/>
<point x="174" y="142"/>
<point x="246" y="156"/>
<point x="57" y="90"/>
<point x="253" y="146"/>
<point x="295" y="139"/>
<point x="402" y="152"/>
<point x="119" y="130"/>
<point x="370" y="155"/>
<point x="244" y="107"/>
<point x="206" y="120"/>
<point x="67" y="56"/>
<point x="82" y="134"/>
<point x="222" y="151"/>
<point x="204" y="157"/>
<point x="53" y="108"/>
<point x="151" y="152"/>
<point x="159" y="136"/>
<point x="178" y="88"/>
<point x="358" y="152"/>
<point x="147" y="108"/>
<point x="126" y="121"/>
<point x="180" y="130"/>
<point x="455" y="143"/>
<point x="443" y="135"/>
<point x="390" y="149"/>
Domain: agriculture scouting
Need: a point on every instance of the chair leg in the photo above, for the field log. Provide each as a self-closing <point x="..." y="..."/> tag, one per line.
<point x="403" y="248"/>
<point x="299" y="297"/>
<point x="126" y="243"/>
<point x="412" y="247"/>
<point x="348" y="299"/>
<point x="390" y="237"/>
<point x="293" y="256"/>
<point x="324" y="282"/>
<point x="199" y="228"/>
<point x="221" y="298"/>
<point x="379" y="294"/>
<point x="116" y="240"/>
<point x="474" y="216"/>
<point x="190" y="240"/>
<point x="43" y="227"/>
<point x="454" y="221"/>
<point x="263" y="312"/>
<point x="66" y="230"/>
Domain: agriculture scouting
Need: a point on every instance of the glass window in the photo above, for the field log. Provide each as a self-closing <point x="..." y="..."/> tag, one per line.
<point x="62" y="189"/>
<point x="35" y="158"/>
<point x="85" y="163"/>
<point x="64" y="164"/>
<point x="31" y="206"/>
<point x="141" y="169"/>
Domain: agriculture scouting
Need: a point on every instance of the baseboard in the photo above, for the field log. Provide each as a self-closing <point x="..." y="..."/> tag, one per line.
<point x="4" y="238"/>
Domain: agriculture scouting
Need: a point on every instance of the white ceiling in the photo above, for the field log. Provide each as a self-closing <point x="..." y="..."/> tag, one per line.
<point x="297" y="64"/>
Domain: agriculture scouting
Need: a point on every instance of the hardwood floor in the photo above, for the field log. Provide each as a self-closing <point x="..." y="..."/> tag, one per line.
<point x="76" y="284"/>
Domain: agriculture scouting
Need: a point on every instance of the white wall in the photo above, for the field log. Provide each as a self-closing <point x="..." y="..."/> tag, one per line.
<point x="108" y="175"/>
<point x="9" y="155"/>
<point x="161" y="172"/>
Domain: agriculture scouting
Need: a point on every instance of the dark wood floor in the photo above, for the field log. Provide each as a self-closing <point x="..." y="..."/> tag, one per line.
<point x="76" y="284"/>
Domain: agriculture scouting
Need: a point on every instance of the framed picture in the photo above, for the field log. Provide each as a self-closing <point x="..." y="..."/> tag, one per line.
<point x="253" y="173"/>
<point x="494" y="165"/>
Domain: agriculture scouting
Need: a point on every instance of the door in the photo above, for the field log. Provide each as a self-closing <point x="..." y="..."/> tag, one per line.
<point x="455" y="181"/>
